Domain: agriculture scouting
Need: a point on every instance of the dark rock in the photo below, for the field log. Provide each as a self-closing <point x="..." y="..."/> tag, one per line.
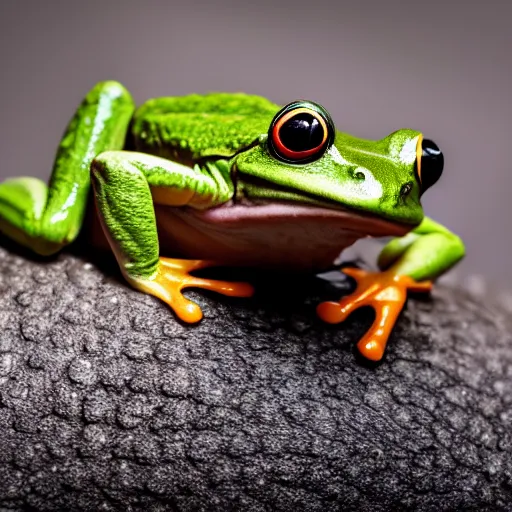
<point x="108" y="403"/>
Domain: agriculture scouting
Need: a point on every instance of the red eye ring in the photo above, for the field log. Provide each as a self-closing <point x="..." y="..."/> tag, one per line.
<point x="297" y="155"/>
<point x="313" y="126"/>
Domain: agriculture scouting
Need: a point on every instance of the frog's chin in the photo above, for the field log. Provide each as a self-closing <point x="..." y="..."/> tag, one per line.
<point x="360" y="223"/>
<point x="285" y="236"/>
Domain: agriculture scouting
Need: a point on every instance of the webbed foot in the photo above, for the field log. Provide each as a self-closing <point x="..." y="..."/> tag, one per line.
<point x="173" y="276"/>
<point x="386" y="293"/>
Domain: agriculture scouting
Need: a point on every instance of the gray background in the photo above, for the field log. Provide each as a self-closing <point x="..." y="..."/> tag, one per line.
<point x="441" y="67"/>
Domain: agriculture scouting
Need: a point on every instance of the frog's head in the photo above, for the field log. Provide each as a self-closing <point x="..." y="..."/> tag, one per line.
<point x="304" y="159"/>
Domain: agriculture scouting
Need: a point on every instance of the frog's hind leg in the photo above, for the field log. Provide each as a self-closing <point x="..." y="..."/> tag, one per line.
<point x="45" y="218"/>
<point x="22" y="202"/>
<point x="125" y="206"/>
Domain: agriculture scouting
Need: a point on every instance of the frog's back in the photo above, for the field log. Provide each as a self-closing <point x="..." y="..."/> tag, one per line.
<point x="187" y="128"/>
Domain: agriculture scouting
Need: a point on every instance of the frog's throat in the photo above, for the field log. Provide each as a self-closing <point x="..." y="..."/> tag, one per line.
<point x="275" y="212"/>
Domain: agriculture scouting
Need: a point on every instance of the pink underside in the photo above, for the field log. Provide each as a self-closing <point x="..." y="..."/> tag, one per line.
<point x="284" y="236"/>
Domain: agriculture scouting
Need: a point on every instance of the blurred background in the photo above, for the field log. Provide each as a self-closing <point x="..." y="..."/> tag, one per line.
<point x="444" y="68"/>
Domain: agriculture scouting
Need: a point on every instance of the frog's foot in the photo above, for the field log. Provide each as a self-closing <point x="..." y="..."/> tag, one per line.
<point x="386" y="293"/>
<point x="173" y="276"/>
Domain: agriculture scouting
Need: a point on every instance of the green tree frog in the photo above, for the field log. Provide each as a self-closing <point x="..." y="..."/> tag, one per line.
<point x="233" y="179"/>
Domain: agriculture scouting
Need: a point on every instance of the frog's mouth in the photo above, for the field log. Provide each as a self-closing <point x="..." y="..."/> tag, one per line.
<point x="265" y="212"/>
<point x="257" y="201"/>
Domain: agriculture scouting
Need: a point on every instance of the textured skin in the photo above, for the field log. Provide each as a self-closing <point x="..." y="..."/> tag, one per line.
<point x="107" y="403"/>
<point x="195" y="126"/>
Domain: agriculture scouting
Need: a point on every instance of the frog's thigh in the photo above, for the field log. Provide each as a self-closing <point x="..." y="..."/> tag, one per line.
<point x="45" y="218"/>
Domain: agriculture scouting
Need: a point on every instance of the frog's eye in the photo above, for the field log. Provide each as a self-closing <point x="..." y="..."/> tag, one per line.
<point x="300" y="132"/>
<point x="429" y="163"/>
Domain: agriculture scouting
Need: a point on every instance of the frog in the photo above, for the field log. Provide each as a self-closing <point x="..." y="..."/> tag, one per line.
<point x="183" y="183"/>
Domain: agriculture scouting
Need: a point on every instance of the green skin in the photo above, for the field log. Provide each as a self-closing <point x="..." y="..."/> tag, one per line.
<point x="191" y="146"/>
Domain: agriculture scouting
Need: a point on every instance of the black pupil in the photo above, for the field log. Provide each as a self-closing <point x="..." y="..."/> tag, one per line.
<point x="301" y="132"/>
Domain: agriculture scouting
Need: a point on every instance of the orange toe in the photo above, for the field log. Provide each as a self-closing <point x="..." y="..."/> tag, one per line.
<point x="330" y="312"/>
<point x="173" y="276"/>
<point x="386" y="293"/>
<point x="372" y="350"/>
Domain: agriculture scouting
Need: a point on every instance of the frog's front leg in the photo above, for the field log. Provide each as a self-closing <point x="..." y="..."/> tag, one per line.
<point x="122" y="183"/>
<point x="408" y="263"/>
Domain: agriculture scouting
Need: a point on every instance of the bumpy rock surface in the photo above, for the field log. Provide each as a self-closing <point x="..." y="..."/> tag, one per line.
<point x="108" y="403"/>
